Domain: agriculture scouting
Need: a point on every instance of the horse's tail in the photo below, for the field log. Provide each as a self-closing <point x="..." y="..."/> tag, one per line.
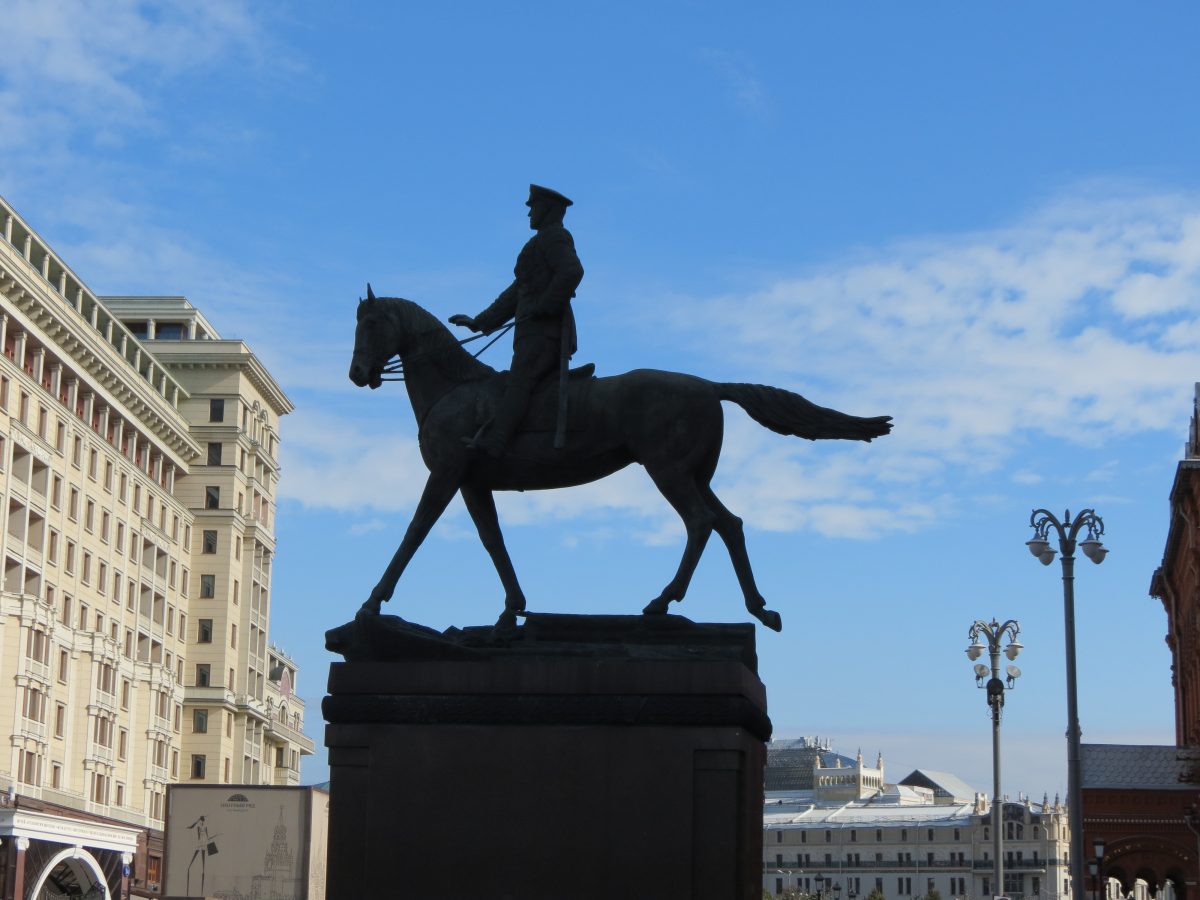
<point x="787" y="413"/>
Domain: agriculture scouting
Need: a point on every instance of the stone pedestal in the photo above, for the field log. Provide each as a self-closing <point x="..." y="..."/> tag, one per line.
<point x="549" y="773"/>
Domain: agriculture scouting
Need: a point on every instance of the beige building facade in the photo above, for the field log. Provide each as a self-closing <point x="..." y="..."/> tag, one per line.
<point x="138" y="461"/>
<point x="851" y="834"/>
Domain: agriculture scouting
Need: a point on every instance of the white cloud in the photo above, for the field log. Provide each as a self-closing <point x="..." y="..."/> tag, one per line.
<point x="77" y="66"/>
<point x="334" y="463"/>
<point x="1080" y="323"/>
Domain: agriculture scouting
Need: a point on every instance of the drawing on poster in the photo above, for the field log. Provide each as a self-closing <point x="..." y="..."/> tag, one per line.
<point x="247" y="846"/>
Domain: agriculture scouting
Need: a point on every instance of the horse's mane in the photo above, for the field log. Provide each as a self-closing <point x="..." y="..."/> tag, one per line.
<point x="433" y="339"/>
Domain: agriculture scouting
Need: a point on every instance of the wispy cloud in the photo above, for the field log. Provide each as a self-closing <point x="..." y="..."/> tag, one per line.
<point x="76" y="68"/>
<point x="337" y="464"/>
<point x="368" y="526"/>
<point x="1079" y="323"/>
<point x="739" y="81"/>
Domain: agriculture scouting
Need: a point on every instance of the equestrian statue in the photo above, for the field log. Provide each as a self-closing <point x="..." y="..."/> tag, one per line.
<point x="542" y="425"/>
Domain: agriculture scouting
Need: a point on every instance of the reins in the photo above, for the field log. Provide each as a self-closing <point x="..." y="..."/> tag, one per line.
<point x="395" y="365"/>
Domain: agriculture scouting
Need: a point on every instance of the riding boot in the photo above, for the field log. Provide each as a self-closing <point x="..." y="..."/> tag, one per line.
<point x="509" y="414"/>
<point x="533" y="358"/>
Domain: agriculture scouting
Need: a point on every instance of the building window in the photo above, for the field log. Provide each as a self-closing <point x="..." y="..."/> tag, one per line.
<point x="203" y="675"/>
<point x="200" y="721"/>
<point x="208" y="586"/>
<point x="210" y="541"/>
<point x="214" y="453"/>
<point x="828" y="837"/>
<point x="853" y="835"/>
<point x="198" y="761"/>
<point x="216" y="410"/>
<point x="212" y="497"/>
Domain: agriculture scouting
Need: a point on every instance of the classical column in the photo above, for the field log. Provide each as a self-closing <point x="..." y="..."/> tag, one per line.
<point x="16" y="866"/>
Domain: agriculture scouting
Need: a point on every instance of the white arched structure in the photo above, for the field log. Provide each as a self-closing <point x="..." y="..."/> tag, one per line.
<point x="80" y="856"/>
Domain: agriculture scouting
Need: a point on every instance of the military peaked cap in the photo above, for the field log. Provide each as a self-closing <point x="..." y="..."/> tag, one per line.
<point x="537" y="192"/>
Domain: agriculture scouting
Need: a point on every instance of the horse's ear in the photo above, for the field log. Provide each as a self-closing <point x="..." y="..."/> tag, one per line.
<point x="370" y="293"/>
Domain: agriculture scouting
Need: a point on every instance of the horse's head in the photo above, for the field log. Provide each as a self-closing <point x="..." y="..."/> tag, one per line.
<point x="374" y="342"/>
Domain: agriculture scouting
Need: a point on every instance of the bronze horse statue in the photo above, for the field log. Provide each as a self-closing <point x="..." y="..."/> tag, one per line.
<point x="669" y="422"/>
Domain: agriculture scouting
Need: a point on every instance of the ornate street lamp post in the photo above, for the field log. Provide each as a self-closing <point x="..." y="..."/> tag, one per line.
<point x="1097" y="866"/>
<point x="1067" y="529"/>
<point x="993" y="631"/>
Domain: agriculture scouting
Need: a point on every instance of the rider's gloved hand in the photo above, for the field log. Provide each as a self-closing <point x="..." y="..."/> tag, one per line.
<point x="464" y="321"/>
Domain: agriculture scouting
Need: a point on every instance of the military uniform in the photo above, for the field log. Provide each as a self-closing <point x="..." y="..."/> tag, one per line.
<point x="546" y="275"/>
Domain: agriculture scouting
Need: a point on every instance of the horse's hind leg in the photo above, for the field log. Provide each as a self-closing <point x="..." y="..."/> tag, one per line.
<point x="729" y="527"/>
<point x="678" y="487"/>
<point x="482" y="507"/>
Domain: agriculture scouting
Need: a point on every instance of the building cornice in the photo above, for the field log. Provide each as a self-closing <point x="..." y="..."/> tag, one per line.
<point x="224" y="354"/>
<point x="43" y="826"/>
<point x="118" y="383"/>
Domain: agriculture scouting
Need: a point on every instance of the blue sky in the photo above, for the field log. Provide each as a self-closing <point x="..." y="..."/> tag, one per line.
<point x="983" y="220"/>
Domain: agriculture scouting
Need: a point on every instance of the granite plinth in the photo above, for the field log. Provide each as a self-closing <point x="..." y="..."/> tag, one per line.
<point x="548" y="775"/>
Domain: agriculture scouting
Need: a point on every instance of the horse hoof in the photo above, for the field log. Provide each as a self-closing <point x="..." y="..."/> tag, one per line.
<point x="770" y="618"/>
<point x="657" y="607"/>
<point x="505" y="630"/>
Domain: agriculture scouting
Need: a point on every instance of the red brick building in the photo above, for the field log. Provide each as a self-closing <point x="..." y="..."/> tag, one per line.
<point x="1137" y="798"/>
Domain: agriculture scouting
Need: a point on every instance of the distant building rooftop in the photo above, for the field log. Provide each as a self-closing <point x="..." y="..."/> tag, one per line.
<point x="945" y="787"/>
<point x="790" y="763"/>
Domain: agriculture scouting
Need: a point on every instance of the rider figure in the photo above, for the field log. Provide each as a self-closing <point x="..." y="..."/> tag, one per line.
<point x="547" y="273"/>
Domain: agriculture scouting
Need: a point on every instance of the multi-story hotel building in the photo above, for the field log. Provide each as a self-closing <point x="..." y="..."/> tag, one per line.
<point x="139" y="464"/>
<point x="839" y="831"/>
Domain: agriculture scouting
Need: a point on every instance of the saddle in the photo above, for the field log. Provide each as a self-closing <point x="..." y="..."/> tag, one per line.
<point x="542" y="414"/>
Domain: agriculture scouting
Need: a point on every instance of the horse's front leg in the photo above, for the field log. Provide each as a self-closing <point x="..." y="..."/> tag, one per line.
<point x="439" y="489"/>
<point x="482" y="507"/>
